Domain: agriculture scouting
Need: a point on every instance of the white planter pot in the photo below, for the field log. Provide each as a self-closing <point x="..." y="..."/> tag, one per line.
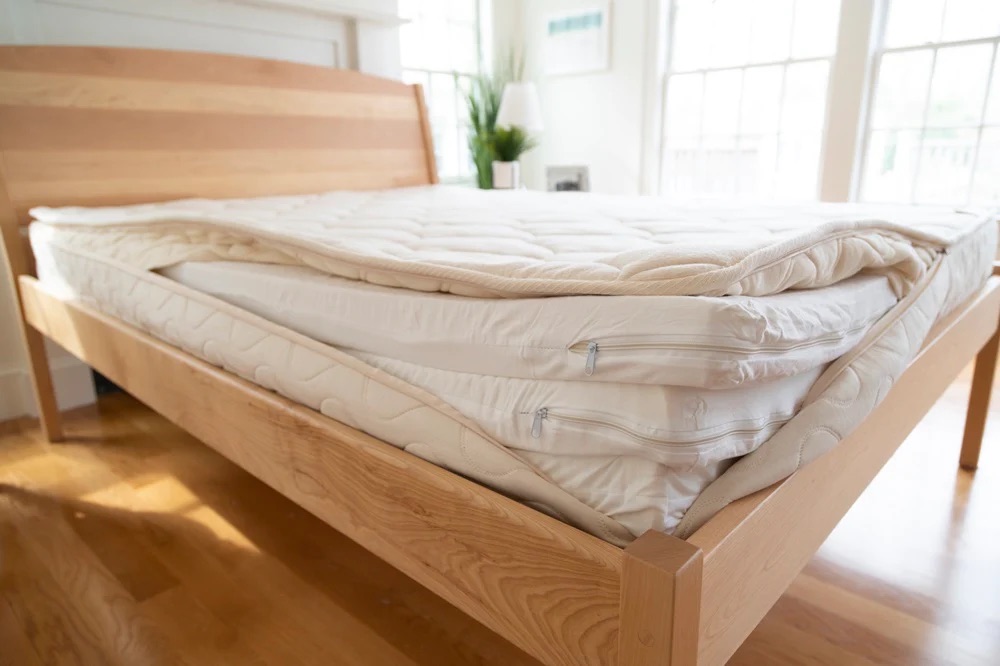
<point x="506" y="175"/>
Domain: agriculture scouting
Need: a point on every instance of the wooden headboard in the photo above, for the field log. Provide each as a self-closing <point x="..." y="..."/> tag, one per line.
<point x="105" y="126"/>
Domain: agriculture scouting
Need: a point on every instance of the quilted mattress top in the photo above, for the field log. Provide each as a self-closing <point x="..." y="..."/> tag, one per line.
<point x="522" y="243"/>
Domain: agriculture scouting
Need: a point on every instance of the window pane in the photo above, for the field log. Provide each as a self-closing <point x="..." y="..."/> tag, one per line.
<point x="798" y="166"/>
<point x="717" y="166"/>
<point x="969" y="19"/>
<point x="759" y="162"/>
<point x="464" y="50"/>
<point x="770" y="30"/>
<point x="683" y="113"/>
<point x="722" y="102"/>
<point x="730" y="131"/>
<point x="901" y="96"/>
<point x="960" y="77"/>
<point x="986" y="185"/>
<point x="913" y="22"/>
<point x="945" y="165"/>
<point x="463" y="11"/>
<point x="993" y="107"/>
<point x="890" y="164"/>
<point x="804" y="105"/>
<point x="730" y="34"/>
<point x="815" y="28"/>
<point x="690" y="47"/>
<point x="678" y="168"/>
<point x="761" y="100"/>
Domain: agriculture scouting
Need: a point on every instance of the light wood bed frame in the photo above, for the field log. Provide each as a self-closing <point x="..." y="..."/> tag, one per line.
<point x="112" y="126"/>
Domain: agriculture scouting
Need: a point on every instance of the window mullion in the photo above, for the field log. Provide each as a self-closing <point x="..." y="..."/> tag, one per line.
<point x="923" y="128"/>
<point x="982" y="124"/>
<point x="844" y="127"/>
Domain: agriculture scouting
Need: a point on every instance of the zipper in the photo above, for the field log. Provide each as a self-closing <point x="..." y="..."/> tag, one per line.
<point x="592" y="347"/>
<point x="545" y="413"/>
<point x="536" y="424"/>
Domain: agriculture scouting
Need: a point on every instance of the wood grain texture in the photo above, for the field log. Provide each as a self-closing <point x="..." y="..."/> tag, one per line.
<point x="908" y="577"/>
<point x="545" y="586"/>
<point x="661" y="598"/>
<point x="300" y="128"/>
<point x="17" y="260"/>
<point x="105" y="126"/>
<point x="979" y="402"/>
<point x="762" y="541"/>
<point x="430" y="158"/>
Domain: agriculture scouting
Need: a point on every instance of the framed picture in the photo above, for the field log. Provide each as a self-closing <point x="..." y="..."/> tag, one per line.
<point x="577" y="41"/>
<point x="567" y="178"/>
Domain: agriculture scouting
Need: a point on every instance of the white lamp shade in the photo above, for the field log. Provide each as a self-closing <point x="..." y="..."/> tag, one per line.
<point x="519" y="106"/>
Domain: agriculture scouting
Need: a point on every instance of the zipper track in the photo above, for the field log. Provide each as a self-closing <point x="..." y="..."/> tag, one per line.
<point x="592" y="347"/>
<point x="546" y="413"/>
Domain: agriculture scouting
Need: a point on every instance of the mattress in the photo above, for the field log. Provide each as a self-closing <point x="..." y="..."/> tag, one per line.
<point x="708" y="342"/>
<point x="616" y="414"/>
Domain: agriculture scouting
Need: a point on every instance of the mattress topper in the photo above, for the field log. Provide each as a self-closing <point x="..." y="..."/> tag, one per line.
<point x="523" y="243"/>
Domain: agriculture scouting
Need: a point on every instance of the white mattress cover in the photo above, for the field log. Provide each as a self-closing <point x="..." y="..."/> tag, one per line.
<point x="706" y="342"/>
<point x="932" y="273"/>
<point x="521" y="243"/>
<point x="310" y="373"/>
<point x="638" y="454"/>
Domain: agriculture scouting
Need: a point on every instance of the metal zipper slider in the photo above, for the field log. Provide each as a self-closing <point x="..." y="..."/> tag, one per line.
<point x="536" y="425"/>
<point x="591" y="357"/>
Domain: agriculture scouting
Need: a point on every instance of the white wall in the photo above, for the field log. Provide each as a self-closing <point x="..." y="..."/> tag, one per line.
<point x="592" y="119"/>
<point x="347" y="33"/>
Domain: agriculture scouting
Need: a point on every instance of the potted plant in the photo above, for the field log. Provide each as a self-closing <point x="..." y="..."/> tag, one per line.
<point x="509" y="143"/>
<point x="483" y="104"/>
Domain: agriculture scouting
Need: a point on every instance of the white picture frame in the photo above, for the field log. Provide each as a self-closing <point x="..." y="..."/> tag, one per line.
<point x="578" y="41"/>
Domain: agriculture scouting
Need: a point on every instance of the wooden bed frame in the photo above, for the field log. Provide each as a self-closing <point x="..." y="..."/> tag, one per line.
<point x="112" y="126"/>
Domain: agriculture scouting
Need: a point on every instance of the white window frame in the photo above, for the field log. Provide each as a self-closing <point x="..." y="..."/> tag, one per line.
<point x="850" y="92"/>
<point x="483" y="42"/>
<point x="877" y="53"/>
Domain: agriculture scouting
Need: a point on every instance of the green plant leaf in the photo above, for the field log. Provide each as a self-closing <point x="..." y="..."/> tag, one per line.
<point x="482" y="101"/>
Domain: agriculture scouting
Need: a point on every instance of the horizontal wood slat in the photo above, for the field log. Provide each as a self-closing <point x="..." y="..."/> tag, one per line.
<point x="100" y="92"/>
<point x="545" y="586"/>
<point x="42" y="128"/>
<point x="73" y="166"/>
<point x="159" y="65"/>
<point x="140" y="190"/>
<point x="105" y="126"/>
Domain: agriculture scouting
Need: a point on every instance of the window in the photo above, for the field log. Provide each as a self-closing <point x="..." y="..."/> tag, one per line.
<point x="934" y="126"/>
<point x="440" y="49"/>
<point x="746" y="91"/>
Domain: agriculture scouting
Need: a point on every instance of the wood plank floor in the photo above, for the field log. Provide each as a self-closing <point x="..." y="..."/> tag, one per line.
<point x="134" y="544"/>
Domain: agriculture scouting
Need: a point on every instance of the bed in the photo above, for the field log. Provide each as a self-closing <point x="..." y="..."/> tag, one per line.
<point x="604" y="583"/>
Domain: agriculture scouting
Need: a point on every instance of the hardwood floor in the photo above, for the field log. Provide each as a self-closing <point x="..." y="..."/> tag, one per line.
<point x="132" y="543"/>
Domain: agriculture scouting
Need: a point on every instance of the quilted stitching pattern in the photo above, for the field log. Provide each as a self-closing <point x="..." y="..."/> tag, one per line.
<point x="491" y="243"/>
<point x="312" y="374"/>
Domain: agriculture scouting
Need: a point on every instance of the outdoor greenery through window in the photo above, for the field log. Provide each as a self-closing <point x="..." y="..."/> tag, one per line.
<point x="441" y="49"/>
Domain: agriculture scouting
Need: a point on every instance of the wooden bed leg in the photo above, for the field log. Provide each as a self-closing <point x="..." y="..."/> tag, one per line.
<point x="660" y="602"/>
<point x="41" y="382"/>
<point x="979" y="402"/>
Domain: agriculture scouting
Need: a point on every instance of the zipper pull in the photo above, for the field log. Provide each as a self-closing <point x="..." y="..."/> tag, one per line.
<point x="536" y="425"/>
<point x="591" y="357"/>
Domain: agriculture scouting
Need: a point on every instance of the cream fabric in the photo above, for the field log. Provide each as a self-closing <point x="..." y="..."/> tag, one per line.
<point x="522" y="244"/>
<point x="705" y="342"/>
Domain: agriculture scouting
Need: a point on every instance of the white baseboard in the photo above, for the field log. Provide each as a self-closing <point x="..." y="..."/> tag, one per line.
<point x="12" y="394"/>
<point x="72" y="378"/>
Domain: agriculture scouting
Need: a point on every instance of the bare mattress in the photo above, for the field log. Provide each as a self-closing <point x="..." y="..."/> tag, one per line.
<point x="621" y="363"/>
